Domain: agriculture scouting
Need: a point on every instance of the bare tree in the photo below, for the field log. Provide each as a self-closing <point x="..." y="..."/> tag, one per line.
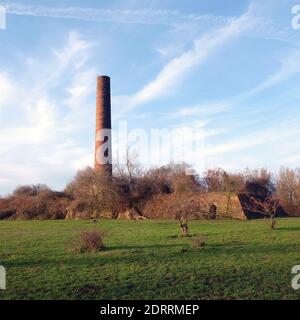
<point x="288" y="189"/>
<point x="182" y="215"/>
<point x="183" y="220"/>
<point x="259" y="182"/>
<point x="95" y="191"/>
<point x="30" y="190"/>
<point x="267" y="206"/>
<point x="187" y="206"/>
<point x="131" y="183"/>
<point x="214" y="180"/>
<point x="173" y="179"/>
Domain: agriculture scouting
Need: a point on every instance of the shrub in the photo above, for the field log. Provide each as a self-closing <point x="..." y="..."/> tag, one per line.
<point x="30" y="190"/>
<point x="259" y="183"/>
<point x="199" y="242"/>
<point x="88" y="241"/>
<point x="46" y="204"/>
<point x="183" y="221"/>
<point x="288" y="190"/>
<point x="94" y="193"/>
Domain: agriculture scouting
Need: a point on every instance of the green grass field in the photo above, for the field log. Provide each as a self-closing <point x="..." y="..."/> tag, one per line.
<point x="147" y="260"/>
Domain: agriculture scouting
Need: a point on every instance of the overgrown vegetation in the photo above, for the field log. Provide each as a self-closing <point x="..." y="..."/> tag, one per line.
<point x="165" y="192"/>
<point x="34" y="202"/>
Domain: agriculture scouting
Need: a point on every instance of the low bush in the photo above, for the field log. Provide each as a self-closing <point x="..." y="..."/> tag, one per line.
<point x="45" y="205"/>
<point x="88" y="241"/>
<point x="199" y="242"/>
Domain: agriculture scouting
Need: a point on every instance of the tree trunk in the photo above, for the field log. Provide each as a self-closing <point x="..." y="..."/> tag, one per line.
<point x="115" y="214"/>
<point x="184" y="229"/>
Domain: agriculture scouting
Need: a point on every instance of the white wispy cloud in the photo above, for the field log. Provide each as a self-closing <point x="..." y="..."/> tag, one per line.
<point x="147" y="16"/>
<point x="45" y="133"/>
<point x="289" y="66"/>
<point x="291" y="160"/>
<point x="174" y="72"/>
<point x="271" y="135"/>
<point x="83" y="84"/>
<point x="76" y="48"/>
<point x="202" y="110"/>
<point x="7" y="89"/>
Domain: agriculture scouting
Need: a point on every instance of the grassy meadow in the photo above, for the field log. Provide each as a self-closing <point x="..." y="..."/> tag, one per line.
<point x="147" y="260"/>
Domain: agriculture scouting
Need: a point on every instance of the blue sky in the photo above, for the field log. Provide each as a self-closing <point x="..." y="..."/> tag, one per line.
<point x="230" y="68"/>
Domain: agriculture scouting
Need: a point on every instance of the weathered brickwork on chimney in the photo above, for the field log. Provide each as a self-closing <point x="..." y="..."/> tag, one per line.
<point x="103" y="148"/>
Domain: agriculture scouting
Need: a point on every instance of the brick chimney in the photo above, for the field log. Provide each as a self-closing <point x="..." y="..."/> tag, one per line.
<point x="103" y="146"/>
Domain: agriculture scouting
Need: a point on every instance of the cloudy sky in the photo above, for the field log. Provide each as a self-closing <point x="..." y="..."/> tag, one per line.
<point x="229" y="69"/>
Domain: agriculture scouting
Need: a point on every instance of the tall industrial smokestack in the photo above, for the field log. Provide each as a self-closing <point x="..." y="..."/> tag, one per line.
<point x="103" y="151"/>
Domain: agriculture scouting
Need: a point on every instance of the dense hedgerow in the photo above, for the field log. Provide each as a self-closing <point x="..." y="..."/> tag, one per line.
<point x="161" y="191"/>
